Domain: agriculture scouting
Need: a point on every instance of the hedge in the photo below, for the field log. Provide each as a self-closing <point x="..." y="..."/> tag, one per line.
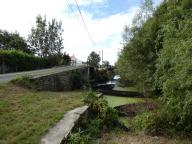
<point x="15" y="60"/>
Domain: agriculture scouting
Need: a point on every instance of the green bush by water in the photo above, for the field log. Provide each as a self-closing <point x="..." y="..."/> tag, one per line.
<point x="100" y="118"/>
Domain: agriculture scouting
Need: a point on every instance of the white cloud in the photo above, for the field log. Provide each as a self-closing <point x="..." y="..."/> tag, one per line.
<point x="88" y="2"/>
<point x="106" y="33"/>
<point x="19" y="15"/>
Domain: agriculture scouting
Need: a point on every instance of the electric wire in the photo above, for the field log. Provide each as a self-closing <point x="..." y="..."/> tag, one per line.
<point x="84" y="23"/>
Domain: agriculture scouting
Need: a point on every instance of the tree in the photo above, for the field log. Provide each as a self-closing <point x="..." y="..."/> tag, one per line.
<point x="46" y="37"/>
<point x="158" y="59"/>
<point x="127" y="34"/>
<point x="138" y="53"/>
<point x="93" y="59"/>
<point x="13" y="41"/>
<point x="144" y="13"/>
<point x="106" y="64"/>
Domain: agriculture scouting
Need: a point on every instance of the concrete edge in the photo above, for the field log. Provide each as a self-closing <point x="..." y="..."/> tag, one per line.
<point x="59" y="133"/>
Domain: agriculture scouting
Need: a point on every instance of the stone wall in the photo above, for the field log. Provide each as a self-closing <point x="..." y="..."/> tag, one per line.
<point x="61" y="81"/>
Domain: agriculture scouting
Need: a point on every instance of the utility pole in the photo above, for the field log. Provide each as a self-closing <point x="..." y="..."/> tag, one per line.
<point x="102" y="57"/>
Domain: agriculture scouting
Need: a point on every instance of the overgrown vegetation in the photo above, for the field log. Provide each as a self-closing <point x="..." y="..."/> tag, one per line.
<point x="157" y="58"/>
<point x="25" y="115"/>
<point x="78" y="81"/>
<point x="100" y="118"/>
<point x="26" y="82"/>
<point x="100" y="73"/>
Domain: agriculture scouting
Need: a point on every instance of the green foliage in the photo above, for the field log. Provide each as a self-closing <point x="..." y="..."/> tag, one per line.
<point x="100" y="117"/>
<point x="25" y="81"/>
<point x="140" y="122"/>
<point x="93" y="59"/>
<point x="13" y="41"/>
<point x="158" y="58"/>
<point x="187" y="4"/>
<point x="77" y="138"/>
<point x="173" y="74"/>
<point x="77" y="80"/>
<point x="19" y="61"/>
<point x="58" y="59"/>
<point x="46" y="38"/>
<point x="101" y="76"/>
<point x="98" y="107"/>
<point x="137" y="60"/>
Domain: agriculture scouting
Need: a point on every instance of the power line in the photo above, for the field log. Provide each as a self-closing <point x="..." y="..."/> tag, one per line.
<point x="71" y="8"/>
<point x="84" y="23"/>
<point x="73" y="11"/>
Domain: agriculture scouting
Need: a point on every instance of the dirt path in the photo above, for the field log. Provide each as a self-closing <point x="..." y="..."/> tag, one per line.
<point x="129" y="138"/>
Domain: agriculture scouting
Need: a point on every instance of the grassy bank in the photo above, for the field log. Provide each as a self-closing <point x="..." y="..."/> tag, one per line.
<point x="114" y="101"/>
<point x="125" y="88"/>
<point x="25" y="115"/>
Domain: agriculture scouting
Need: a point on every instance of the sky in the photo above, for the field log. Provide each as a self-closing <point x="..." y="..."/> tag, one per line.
<point x="104" y="19"/>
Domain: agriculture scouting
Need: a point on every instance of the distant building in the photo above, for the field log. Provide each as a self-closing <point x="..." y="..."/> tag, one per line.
<point x="73" y="60"/>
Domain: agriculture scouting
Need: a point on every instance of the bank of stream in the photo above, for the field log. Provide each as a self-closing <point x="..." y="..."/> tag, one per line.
<point x="106" y="113"/>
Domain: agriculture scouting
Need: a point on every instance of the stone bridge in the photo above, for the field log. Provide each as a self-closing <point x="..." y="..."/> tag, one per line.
<point x="54" y="79"/>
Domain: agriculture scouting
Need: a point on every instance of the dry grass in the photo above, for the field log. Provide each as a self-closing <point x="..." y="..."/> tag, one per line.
<point x="129" y="138"/>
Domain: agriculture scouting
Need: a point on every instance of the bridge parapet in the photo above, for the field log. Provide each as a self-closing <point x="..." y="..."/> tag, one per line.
<point x="63" y="80"/>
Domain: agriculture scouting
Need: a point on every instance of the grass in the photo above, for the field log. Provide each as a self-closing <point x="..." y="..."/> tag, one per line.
<point x="117" y="100"/>
<point x="25" y="115"/>
<point x="125" y="88"/>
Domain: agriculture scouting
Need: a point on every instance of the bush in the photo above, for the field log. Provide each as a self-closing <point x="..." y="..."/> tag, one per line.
<point x="20" y="61"/>
<point x="77" y="138"/>
<point x="140" y="122"/>
<point x="15" y="60"/>
<point x="100" y="117"/>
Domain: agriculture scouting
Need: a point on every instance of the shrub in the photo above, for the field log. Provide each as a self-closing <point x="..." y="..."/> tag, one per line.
<point x="19" y="61"/>
<point x="100" y="117"/>
<point x="77" y="138"/>
<point x="140" y="122"/>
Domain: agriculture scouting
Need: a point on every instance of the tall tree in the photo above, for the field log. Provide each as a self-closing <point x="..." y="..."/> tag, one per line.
<point x="55" y="39"/>
<point x="13" y="41"/>
<point x="93" y="59"/>
<point x="139" y="51"/>
<point x="145" y="12"/>
<point x="46" y="37"/>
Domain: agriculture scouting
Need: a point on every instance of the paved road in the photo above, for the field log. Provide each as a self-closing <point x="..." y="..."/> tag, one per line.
<point x="37" y="73"/>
